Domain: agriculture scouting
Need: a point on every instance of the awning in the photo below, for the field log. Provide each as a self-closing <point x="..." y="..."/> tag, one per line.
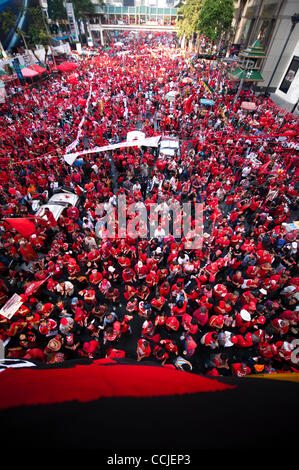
<point x="38" y="68"/>
<point x="27" y="72"/>
<point x="247" y="75"/>
<point x="67" y="67"/>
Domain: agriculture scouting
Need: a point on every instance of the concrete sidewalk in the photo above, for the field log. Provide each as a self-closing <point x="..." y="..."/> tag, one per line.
<point x="283" y="104"/>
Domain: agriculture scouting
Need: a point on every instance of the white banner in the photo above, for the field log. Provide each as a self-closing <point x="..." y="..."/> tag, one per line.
<point x="11" y="307"/>
<point x="148" y="142"/>
<point x="76" y="141"/>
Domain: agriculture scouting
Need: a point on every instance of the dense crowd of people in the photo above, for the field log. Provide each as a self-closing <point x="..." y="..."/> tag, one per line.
<point x="226" y="307"/>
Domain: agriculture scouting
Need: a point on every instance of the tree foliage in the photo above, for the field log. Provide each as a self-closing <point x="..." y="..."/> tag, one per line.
<point x="207" y="17"/>
<point x="38" y="33"/>
<point x="56" y="10"/>
<point x="83" y="8"/>
<point x="216" y="16"/>
<point x="188" y="15"/>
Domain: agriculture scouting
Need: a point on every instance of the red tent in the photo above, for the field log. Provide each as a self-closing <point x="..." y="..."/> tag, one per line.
<point x="38" y="68"/>
<point x="28" y="72"/>
<point x="67" y="67"/>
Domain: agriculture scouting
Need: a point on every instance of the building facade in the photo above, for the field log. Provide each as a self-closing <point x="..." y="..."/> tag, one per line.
<point x="275" y="24"/>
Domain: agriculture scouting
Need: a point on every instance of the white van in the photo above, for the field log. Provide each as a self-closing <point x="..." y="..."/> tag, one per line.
<point x="168" y="147"/>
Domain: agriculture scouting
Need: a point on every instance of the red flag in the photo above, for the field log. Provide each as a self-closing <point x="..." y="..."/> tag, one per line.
<point x="188" y="104"/>
<point x="33" y="287"/>
<point x="22" y="225"/>
<point x="264" y="167"/>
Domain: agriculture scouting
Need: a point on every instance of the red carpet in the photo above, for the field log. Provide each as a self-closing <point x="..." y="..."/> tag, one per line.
<point x="85" y="383"/>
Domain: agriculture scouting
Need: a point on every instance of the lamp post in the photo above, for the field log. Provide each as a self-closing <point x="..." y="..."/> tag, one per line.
<point x="295" y="20"/>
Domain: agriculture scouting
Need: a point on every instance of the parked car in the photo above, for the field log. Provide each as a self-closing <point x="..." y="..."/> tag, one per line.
<point x="58" y="202"/>
<point x="168" y="147"/>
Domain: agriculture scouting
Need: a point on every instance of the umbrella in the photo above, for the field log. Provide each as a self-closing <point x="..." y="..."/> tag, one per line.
<point x="249" y="105"/>
<point x="207" y="102"/>
<point x="67" y="67"/>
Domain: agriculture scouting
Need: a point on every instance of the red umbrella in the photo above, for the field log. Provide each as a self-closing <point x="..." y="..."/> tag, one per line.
<point x="67" y="67"/>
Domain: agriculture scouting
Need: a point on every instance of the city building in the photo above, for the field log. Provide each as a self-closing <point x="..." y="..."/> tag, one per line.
<point x="275" y="24"/>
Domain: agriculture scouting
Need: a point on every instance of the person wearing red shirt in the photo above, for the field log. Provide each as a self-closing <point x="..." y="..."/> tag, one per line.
<point x="243" y="320"/>
<point x="172" y="323"/>
<point x="158" y="303"/>
<point x="143" y="349"/>
<point x="170" y="346"/>
<point x="27" y="251"/>
<point x="128" y="275"/>
<point x="160" y="354"/>
<point x="152" y="279"/>
<point x="72" y="212"/>
<point x="189" y="324"/>
<point x="210" y="340"/>
<point x="94" y="255"/>
<point x="50" y="218"/>
<point x="240" y="369"/>
<point x="180" y="307"/>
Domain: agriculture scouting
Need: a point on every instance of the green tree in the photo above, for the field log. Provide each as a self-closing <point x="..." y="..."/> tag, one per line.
<point x="38" y="30"/>
<point x="56" y="10"/>
<point x="216" y="18"/>
<point x="8" y="21"/>
<point x="188" y="18"/>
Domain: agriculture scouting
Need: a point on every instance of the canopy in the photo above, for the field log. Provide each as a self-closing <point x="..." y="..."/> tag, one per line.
<point x="247" y="75"/>
<point x="27" y="72"/>
<point x="38" y="68"/>
<point x="67" y="67"/>
<point x="249" y="105"/>
<point x="207" y="102"/>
